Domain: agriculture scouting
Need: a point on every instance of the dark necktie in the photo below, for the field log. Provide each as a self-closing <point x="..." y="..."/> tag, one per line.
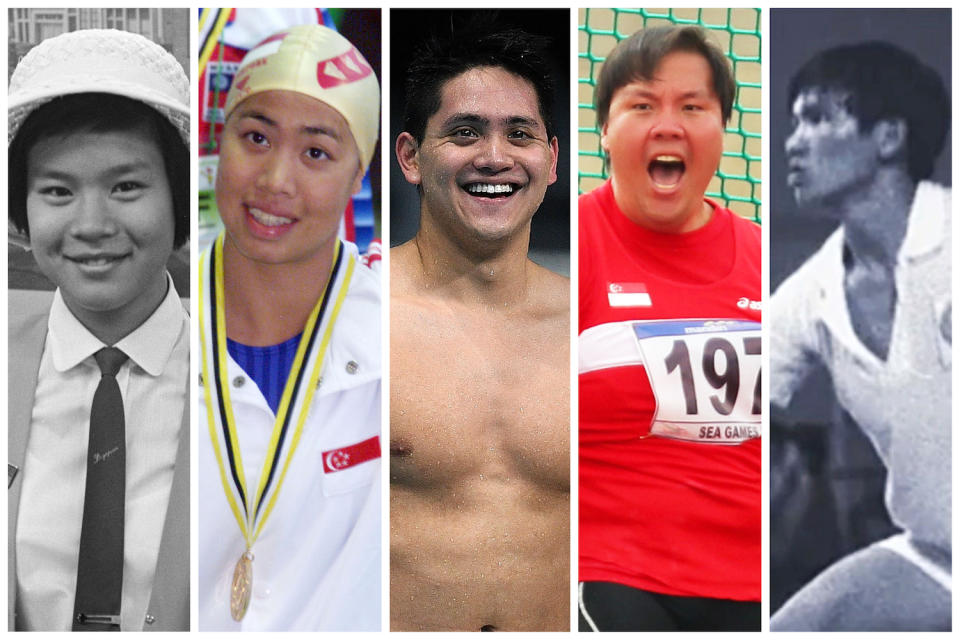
<point x="100" y="568"/>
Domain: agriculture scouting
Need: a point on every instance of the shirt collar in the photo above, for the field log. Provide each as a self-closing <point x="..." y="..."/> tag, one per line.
<point x="927" y="224"/>
<point x="149" y="346"/>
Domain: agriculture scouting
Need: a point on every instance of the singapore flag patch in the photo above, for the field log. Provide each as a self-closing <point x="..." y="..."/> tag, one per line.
<point x="628" y="294"/>
<point x="346" y="457"/>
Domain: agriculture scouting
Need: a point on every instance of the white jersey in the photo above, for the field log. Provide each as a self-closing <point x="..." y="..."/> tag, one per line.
<point x="903" y="403"/>
<point x="317" y="561"/>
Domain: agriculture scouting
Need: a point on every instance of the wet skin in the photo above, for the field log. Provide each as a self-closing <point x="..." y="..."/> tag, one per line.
<point x="479" y="353"/>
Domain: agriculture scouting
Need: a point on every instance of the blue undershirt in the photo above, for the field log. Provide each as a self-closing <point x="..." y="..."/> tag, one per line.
<point x="269" y="367"/>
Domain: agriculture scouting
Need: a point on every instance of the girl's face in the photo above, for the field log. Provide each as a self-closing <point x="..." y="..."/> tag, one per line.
<point x="100" y="211"/>
<point x="288" y="166"/>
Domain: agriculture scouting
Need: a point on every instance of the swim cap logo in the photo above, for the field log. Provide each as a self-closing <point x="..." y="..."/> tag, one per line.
<point x="241" y="84"/>
<point x="346" y="68"/>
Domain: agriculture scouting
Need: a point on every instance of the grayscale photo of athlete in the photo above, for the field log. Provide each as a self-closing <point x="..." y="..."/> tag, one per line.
<point x="860" y="321"/>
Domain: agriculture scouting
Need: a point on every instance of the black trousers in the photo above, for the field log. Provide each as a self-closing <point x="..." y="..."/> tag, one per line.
<point x="606" y="606"/>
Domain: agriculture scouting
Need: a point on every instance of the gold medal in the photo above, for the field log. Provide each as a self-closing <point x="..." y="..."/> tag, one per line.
<point x="252" y="508"/>
<point x="242" y="586"/>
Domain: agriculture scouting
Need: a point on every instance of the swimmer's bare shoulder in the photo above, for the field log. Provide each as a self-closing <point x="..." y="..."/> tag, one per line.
<point x="404" y="261"/>
<point x="552" y="295"/>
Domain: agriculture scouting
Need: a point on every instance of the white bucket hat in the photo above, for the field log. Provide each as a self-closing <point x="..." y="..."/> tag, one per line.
<point x="100" y="61"/>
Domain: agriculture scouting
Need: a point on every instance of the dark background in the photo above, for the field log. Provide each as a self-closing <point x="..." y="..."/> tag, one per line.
<point x="826" y="481"/>
<point x="550" y="233"/>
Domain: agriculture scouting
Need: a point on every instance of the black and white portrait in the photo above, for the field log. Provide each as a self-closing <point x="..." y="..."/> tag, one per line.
<point x="860" y="320"/>
<point x="98" y="419"/>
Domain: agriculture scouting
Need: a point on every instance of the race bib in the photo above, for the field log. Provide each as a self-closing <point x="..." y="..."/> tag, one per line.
<point x="705" y="376"/>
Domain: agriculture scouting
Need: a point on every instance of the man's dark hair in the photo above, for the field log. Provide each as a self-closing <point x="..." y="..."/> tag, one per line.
<point x="99" y="113"/>
<point x="638" y="57"/>
<point x="442" y="58"/>
<point x="884" y="82"/>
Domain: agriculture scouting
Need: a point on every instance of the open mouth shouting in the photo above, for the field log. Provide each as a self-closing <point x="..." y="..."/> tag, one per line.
<point x="666" y="171"/>
<point x="489" y="190"/>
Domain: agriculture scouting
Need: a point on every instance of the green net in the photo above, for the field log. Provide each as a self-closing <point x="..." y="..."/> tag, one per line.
<point x="737" y="31"/>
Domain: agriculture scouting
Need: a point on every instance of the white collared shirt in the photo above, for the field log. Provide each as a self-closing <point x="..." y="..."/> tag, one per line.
<point x="153" y="385"/>
<point x="902" y="403"/>
<point x="317" y="561"/>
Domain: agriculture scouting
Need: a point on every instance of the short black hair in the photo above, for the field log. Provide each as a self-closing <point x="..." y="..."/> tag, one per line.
<point x="99" y="112"/>
<point x="884" y="82"/>
<point x="482" y="43"/>
<point x="638" y="57"/>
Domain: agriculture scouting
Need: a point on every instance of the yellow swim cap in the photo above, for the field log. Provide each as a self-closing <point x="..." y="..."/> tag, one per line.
<point x="318" y="62"/>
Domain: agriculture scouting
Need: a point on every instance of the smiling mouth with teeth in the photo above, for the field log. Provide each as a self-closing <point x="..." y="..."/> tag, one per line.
<point x="96" y="261"/>
<point x="268" y="219"/>
<point x="666" y="171"/>
<point x="485" y="190"/>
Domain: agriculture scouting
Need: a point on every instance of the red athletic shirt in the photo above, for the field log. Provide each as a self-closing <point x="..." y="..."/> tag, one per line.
<point x="669" y="404"/>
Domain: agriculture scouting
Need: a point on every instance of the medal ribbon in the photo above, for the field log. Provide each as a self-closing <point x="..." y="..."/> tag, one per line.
<point x="252" y="515"/>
